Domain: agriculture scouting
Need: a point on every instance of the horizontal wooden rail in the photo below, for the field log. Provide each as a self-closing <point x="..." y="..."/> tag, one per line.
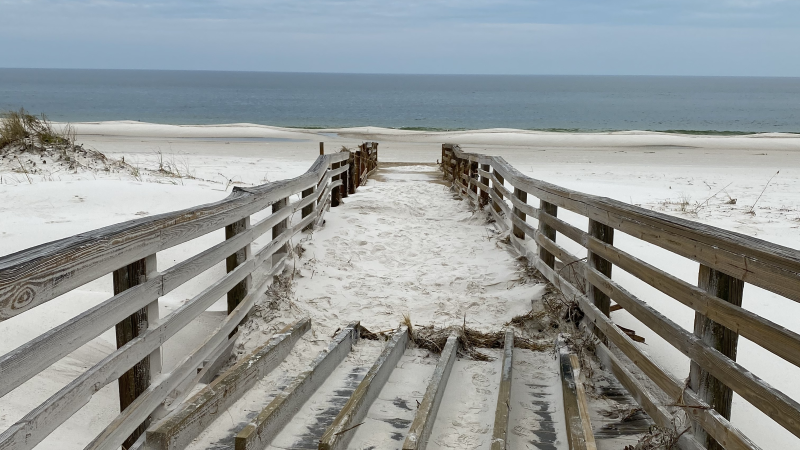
<point x="34" y="276"/>
<point x="740" y="258"/>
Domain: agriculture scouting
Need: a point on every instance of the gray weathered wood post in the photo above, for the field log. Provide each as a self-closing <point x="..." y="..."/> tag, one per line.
<point x="606" y="234"/>
<point x="309" y="209"/>
<point x="548" y="232"/>
<point x="135" y="381"/>
<point x="239" y="292"/>
<point x="496" y="190"/>
<point x="357" y="174"/>
<point x="473" y="175"/>
<point x="279" y="228"/>
<point x="335" y="192"/>
<point x="484" y="198"/>
<point x="523" y="197"/>
<point x="444" y="168"/>
<point x="351" y="185"/>
<point x="707" y="387"/>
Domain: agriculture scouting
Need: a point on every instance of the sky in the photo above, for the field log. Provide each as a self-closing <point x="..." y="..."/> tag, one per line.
<point x="580" y="37"/>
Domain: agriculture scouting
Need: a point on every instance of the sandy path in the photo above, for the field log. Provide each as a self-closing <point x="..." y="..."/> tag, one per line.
<point x="403" y="245"/>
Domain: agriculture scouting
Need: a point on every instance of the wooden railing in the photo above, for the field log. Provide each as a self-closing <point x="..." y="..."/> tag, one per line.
<point x="727" y="260"/>
<point x="32" y="277"/>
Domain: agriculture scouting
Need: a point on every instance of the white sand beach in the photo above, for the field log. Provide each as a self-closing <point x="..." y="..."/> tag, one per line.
<point x="696" y="177"/>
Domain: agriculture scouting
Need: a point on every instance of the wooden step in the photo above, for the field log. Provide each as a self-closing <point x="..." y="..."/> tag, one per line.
<point x="339" y="434"/>
<point x="421" y="427"/>
<point x="179" y="428"/>
<point x="274" y="417"/>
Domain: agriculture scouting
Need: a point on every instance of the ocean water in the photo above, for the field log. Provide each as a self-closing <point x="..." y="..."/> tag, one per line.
<point x="569" y="103"/>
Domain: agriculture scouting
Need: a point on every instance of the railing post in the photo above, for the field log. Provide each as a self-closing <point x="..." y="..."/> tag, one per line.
<point x="725" y="340"/>
<point x="279" y="228"/>
<point x="451" y="168"/>
<point x="499" y="194"/>
<point x="523" y="197"/>
<point x="606" y="234"/>
<point x="484" y="198"/>
<point x="321" y="148"/>
<point x="357" y="174"/>
<point x="548" y="232"/>
<point x="473" y="175"/>
<point x="239" y="292"/>
<point x="444" y="168"/>
<point x="309" y="209"/>
<point x="136" y="380"/>
<point x="336" y="192"/>
<point x="351" y="185"/>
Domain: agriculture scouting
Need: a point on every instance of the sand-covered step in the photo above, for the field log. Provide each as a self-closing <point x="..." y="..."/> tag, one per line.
<point x="503" y="405"/>
<point x="341" y="431"/>
<point x="272" y="420"/>
<point x="390" y="416"/>
<point x="307" y="426"/>
<point x="220" y="435"/>
<point x="467" y="414"/>
<point x="425" y="417"/>
<point x="536" y="418"/>
<point x="190" y="418"/>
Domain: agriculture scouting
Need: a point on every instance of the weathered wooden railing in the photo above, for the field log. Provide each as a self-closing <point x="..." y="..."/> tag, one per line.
<point x="727" y="260"/>
<point x="32" y="277"/>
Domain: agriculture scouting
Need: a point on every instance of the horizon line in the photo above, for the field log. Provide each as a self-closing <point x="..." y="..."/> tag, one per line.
<point x="398" y="73"/>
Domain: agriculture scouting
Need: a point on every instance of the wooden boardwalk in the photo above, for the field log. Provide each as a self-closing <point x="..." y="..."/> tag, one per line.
<point x="350" y="392"/>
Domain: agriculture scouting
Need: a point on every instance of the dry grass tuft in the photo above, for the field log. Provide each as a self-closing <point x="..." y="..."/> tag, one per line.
<point x="19" y="127"/>
<point x="382" y="335"/>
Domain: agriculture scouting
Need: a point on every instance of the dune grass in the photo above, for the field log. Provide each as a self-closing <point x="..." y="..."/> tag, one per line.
<point x="22" y="128"/>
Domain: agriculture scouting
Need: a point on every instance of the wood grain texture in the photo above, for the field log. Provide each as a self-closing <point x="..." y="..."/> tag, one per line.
<point x="192" y="417"/>
<point x="36" y="275"/>
<point x="502" y="410"/>
<point x="649" y="403"/>
<point x="583" y="405"/>
<point x="136" y="380"/>
<point x="421" y="427"/>
<point x="572" y="416"/>
<point x="522" y="197"/>
<point x="274" y="417"/>
<point x="725" y="340"/>
<point x="715" y="424"/>
<point x="45" y="418"/>
<point x="769" y="335"/>
<point x="146" y="403"/>
<point x="775" y="404"/>
<point x="29" y="359"/>
<point x="767" y="265"/>
<point x="547" y="231"/>
<point x="336" y="436"/>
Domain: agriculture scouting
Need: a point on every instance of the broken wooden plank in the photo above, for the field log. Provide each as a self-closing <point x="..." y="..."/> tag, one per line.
<point x="337" y="435"/>
<point x="272" y="419"/>
<point x="421" y="427"/>
<point x="502" y="411"/>
<point x="178" y="429"/>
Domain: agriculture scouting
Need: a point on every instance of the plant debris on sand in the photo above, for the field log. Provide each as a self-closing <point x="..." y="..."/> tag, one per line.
<point x="433" y="339"/>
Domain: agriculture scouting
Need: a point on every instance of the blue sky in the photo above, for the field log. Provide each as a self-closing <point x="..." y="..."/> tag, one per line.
<point x="614" y="37"/>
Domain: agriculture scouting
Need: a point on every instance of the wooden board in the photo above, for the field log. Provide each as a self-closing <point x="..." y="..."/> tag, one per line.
<point x="421" y="427"/>
<point x="192" y="417"/>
